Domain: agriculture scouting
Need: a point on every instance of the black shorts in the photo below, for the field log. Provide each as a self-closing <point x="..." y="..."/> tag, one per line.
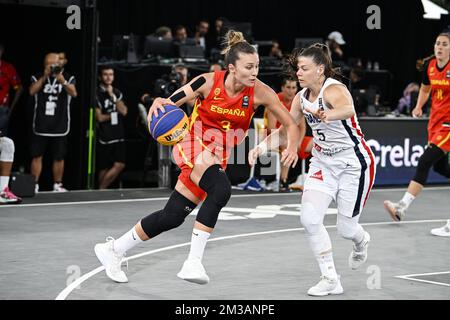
<point x="107" y="154"/>
<point x="57" y="145"/>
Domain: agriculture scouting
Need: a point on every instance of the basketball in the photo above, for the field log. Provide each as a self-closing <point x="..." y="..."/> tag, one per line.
<point x="170" y="127"/>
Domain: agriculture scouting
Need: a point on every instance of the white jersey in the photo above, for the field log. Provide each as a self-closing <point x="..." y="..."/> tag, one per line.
<point x="336" y="135"/>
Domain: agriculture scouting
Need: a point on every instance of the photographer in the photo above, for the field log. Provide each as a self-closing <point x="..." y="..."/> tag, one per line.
<point x="168" y="84"/>
<point x="52" y="91"/>
<point x="111" y="149"/>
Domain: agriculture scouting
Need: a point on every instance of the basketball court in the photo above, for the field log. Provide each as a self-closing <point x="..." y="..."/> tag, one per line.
<point x="258" y="251"/>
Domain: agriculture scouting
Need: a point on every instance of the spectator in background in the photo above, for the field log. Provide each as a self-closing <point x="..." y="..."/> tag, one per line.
<point x="180" y="34"/>
<point x="111" y="149"/>
<point x="405" y="103"/>
<point x="62" y="59"/>
<point x="8" y="79"/>
<point x="275" y="51"/>
<point x="163" y="32"/>
<point x="289" y="88"/>
<point x="53" y="91"/>
<point x="201" y="30"/>
<point x="215" y="37"/>
<point x="215" y="67"/>
<point x="335" y="41"/>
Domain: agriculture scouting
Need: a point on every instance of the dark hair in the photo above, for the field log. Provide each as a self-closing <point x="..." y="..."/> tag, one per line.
<point x="2" y="47"/>
<point x="103" y="68"/>
<point x="421" y="62"/>
<point x="320" y="53"/>
<point x="234" y="44"/>
<point x="178" y="27"/>
<point x="286" y="79"/>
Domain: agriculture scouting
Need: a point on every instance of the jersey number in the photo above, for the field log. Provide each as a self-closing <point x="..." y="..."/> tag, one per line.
<point x="321" y="134"/>
<point x="226" y="125"/>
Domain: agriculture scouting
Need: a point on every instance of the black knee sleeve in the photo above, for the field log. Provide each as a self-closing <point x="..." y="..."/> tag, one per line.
<point x="177" y="208"/>
<point x="216" y="184"/>
<point x="443" y="166"/>
<point x="431" y="156"/>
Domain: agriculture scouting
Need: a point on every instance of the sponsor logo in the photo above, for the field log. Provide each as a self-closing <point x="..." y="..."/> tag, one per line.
<point x="245" y="101"/>
<point x="400" y="155"/>
<point x="318" y="175"/>
<point x="177" y="133"/>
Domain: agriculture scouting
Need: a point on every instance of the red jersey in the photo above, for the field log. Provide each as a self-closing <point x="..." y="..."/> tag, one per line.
<point x="222" y="119"/>
<point x="8" y="79"/>
<point x="439" y="79"/>
<point x="287" y="106"/>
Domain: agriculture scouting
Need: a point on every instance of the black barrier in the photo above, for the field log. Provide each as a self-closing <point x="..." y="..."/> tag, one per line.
<point x="397" y="144"/>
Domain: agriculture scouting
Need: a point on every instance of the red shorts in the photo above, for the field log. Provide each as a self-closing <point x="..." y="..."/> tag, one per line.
<point x="302" y="154"/>
<point x="185" y="154"/>
<point x="441" y="139"/>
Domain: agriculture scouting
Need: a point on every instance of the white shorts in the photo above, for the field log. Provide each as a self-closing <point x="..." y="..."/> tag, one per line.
<point x="347" y="176"/>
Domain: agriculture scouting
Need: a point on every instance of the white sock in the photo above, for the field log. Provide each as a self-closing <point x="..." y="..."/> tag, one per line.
<point x="407" y="199"/>
<point x="127" y="241"/>
<point x="4" y="181"/>
<point x="359" y="235"/>
<point x="198" y="243"/>
<point x="326" y="265"/>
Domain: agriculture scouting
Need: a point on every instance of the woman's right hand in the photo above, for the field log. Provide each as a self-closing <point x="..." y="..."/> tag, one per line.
<point x="417" y="112"/>
<point x="158" y="104"/>
<point x="253" y="155"/>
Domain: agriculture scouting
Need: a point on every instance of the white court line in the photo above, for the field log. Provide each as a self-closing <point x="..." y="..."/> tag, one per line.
<point x="411" y="278"/>
<point x="68" y="290"/>
<point x="51" y="204"/>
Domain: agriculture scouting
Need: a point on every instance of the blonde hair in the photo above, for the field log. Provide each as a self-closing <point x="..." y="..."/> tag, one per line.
<point x="231" y="38"/>
<point x="235" y="43"/>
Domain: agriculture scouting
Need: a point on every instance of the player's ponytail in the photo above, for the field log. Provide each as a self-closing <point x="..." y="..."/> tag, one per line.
<point x="320" y="53"/>
<point x="235" y="43"/>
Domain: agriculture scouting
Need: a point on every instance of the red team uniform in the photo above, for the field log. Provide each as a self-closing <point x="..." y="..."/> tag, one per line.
<point x="8" y="79"/>
<point x="439" y="123"/>
<point x="302" y="154"/>
<point x="218" y="121"/>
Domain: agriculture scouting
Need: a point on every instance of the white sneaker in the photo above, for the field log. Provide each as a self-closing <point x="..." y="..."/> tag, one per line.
<point x="359" y="253"/>
<point x="326" y="286"/>
<point x="397" y="210"/>
<point x="442" y="231"/>
<point x="111" y="260"/>
<point x="193" y="271"/>
<point x="36" y="188"/>
<point x="58" y="187"/>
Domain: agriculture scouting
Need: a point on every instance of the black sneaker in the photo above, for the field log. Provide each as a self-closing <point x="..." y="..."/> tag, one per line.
<point x="284" y="185"/>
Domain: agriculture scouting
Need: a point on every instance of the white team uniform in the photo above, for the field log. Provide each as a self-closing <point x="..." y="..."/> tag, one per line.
<point x="342" y="165"/>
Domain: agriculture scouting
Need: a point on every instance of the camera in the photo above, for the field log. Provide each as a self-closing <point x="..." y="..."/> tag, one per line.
<point x="168" y="84"/>
<point x="55" y="69"/>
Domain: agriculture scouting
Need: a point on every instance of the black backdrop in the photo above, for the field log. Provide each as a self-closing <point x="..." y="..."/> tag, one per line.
<point x="404" y="35"/>
<point x="29" y="32"/>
